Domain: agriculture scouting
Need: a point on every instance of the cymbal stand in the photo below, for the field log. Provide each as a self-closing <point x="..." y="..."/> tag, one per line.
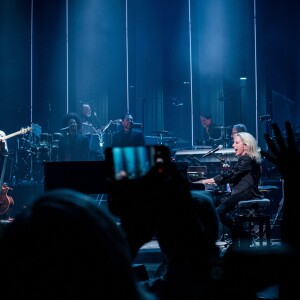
<point x="101" y="133"/>
<point x="31" y="158"/>
<point x="101" y="143"/>
<point x="14" y="165"/>
<point x="29" y="165"/>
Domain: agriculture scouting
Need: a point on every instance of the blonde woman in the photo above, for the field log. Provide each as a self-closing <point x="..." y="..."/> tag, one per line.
<point x="243" y="178"/>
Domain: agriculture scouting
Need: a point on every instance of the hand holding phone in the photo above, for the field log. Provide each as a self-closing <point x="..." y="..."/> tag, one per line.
<point x="134" y="162"/>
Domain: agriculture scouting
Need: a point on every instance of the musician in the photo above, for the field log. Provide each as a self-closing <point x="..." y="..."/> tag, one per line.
<point x="128" y="136"/>
<point x="3" y="143"/>
<point x="6" y="201"/>
<point x="89" y="120"/>
<point x="243" y="178"/>
<point x="238" y="128"/>
<point x="3" y="152"/>
<point x="74" y="146"/>
<point x="211" y="135"/>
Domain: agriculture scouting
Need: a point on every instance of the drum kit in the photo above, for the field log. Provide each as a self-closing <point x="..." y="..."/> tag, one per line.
<point x="165" y="137"/>
<point x="225" y="136"/>
<point x="42" y="148"/>
<point x="35" y="147"/>
<point x="32" y="150"/>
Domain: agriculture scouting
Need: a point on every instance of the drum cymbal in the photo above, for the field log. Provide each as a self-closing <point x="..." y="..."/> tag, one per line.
<point x="163" y="132"/>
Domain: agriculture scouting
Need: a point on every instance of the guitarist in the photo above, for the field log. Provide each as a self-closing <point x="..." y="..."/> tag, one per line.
<point x="6" y="201"/>
<point x="3" y="144"/>
<point x="3" y="152"/>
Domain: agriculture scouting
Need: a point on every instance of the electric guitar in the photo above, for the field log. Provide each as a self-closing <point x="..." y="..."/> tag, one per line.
<point x="6" y="201"/>
<point x="22" y="131"/>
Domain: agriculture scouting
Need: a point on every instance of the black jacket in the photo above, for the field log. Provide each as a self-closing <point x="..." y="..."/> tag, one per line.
<point x="244" y="176"/>
<point x="212" y="137"/>
<point x="132" y="138"/>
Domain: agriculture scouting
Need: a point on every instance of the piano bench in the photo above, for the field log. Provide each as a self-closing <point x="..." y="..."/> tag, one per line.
<point x="251" y="213"/>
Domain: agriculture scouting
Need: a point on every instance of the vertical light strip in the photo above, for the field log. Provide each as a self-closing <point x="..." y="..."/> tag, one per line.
<point x="67" y="55"/>
<point x="31" y="63"/>
<point x="127" y="79"/>
<point x="255" y="71"/>
<point x="191" y="75"/>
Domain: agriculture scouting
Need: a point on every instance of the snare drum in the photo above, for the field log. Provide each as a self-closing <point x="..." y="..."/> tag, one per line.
<point x="57" y="136"/>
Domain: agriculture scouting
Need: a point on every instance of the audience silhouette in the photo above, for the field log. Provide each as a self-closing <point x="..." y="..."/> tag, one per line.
<point x="284" y="154"/>
<point x="65" y="247"/>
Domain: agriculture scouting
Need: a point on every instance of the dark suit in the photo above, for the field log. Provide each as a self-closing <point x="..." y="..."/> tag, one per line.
<point x="132" y="138"/>
<point x="244" y="180"/>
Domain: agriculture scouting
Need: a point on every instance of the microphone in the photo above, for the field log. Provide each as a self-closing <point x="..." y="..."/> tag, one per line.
<point x="117" y="122"/>
<point x="213" y="151"/>
<point x="264" y="118"/>
<point x="137" y="125"/>
<point x="65" y="128"/>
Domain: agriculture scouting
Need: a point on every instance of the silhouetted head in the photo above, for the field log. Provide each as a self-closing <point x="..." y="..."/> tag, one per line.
<point x="65" y="247"/>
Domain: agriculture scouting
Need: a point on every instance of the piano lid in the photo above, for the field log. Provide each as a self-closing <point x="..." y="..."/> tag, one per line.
<point x="202" y="152"/>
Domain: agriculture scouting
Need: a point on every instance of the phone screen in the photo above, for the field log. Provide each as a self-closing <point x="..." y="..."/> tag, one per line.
<point x="133" y="162"/>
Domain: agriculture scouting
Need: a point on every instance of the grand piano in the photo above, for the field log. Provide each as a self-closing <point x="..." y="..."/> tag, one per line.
<point x="212" y="164"/>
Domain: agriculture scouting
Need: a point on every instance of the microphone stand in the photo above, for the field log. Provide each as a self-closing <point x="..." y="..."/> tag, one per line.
<point x="222" y="160"/>
<point x="96" y="120"/>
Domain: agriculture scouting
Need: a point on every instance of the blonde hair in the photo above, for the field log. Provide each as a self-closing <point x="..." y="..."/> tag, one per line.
<point x="251" y="143"/>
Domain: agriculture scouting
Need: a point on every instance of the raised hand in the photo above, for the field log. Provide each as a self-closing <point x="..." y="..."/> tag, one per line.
<point x="284" y="153"/>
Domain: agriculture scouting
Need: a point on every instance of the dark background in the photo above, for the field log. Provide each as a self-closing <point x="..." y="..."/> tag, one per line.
<point x="164" y="61"/>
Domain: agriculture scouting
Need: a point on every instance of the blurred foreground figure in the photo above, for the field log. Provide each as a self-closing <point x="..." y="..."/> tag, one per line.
<point x="64" y="247"/>
<point x="284" y="154"/>
<point x="184" y="223"/>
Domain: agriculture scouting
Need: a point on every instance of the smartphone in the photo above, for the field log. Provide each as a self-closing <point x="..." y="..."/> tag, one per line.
<point x="134" y="162"/>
